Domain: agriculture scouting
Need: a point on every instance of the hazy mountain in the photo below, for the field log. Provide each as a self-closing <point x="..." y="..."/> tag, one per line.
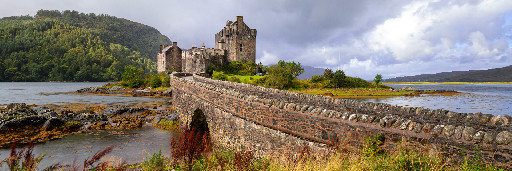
<point x="491" y="75"/>
<point x="310" y="71"/>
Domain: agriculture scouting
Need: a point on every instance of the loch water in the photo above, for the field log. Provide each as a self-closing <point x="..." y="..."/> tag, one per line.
<point x="493" y="99"/>
<point x="131" y="146"/>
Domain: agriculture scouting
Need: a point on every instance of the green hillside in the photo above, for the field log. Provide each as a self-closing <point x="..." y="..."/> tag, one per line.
<point x="73" y="46"/>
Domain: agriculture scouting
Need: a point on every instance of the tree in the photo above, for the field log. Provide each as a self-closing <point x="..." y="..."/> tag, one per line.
<point x="377" y="79"/>
<point x="132" y="77"/>
<point x="338" y="79"/>
<point x="283" y="73"/>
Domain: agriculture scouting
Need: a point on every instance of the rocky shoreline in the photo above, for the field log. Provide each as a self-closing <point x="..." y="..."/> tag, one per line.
<point x="21" y="123"/>
<point x="116" y="90"/>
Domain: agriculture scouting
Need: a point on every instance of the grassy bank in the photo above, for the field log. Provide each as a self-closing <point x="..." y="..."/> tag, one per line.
<point x="355" y="92"/>
<point x="447" y="83"/>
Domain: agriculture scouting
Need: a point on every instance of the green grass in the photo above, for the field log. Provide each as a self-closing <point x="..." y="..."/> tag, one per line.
<point x="167" y="125"/>
<point x="355" y="92"/>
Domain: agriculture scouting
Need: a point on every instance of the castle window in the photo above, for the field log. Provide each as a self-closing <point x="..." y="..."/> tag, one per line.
<point x="241" y="47"/>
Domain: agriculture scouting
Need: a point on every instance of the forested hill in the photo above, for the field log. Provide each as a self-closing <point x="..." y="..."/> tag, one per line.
<point x="73" y="46"/>
<point x="491" y="75"/>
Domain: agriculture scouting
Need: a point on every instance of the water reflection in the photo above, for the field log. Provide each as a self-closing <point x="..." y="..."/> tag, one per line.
<point x="131" y="146"/>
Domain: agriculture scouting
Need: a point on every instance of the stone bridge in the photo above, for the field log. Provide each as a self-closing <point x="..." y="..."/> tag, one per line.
<point x="276" y="122"/>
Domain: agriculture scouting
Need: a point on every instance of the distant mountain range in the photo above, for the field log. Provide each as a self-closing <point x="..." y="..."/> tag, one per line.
<point x="491" y="75"/>
<point x="310" y="71"/>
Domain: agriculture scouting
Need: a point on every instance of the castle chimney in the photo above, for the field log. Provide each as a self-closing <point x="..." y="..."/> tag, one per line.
<point x="161" y="48"/>
<point x="240" y="19"/>
<point x="174" y="43"/>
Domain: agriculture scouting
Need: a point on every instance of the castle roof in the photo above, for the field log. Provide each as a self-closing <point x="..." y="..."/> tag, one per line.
<point x="166" y="49"/>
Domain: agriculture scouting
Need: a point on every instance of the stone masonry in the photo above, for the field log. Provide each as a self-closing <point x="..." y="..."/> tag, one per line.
<point x="235" y="42"/>
<point x="270" y="121"/>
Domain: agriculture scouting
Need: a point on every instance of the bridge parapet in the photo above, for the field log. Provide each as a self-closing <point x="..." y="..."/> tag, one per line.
<point x="324" y="119"/>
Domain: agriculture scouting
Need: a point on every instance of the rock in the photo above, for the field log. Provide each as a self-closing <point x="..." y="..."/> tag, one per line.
<point x="364" y="118"/>
<point x="438" y="130"/>
<point x="156" y="119"/>
<point x="499" y="120"/>
<point x="52" y="123"/>
<point x="412" y="126"/>
<point x="304" y="108"/>
<point x="485" y="118"/>
<point x="479" y="136"/>
<point x="418" y="127"/>
<point x="458" y="132"/>
<point x="449" y="130"/>
<point x="405" y="124"/>
<point x="427" y="128"/>
<point x="26" y="121"/>
<point x="504" y="138"/>
<point x="489" y="137"/>
<point x="353" y="117"/>
<point x="398" y="122"/>
<point x="172" y="117"/>
<point x="468" y="133"/>
<point x="41" y="110"/>
<point x="117" y="88"/>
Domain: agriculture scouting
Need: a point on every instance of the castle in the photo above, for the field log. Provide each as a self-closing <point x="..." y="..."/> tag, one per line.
<point x="235" y="42"/>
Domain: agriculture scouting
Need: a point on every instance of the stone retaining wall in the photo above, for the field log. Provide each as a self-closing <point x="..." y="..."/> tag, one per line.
<point x="324" y="119"/>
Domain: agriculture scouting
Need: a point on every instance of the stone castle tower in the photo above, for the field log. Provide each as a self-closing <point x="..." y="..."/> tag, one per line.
<point x="238" y="40"/>
<point x="235" y="42"/>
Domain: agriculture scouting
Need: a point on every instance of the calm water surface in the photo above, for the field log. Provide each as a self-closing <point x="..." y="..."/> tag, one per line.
<point x="132" y="146"/>
<point x="485" y="98"/>
<point x="58" y="92"/>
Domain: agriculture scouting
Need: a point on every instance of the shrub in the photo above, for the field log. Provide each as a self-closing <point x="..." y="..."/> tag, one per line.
<point x="191" y="144"/>
<point x="22" y="160"/>
<point x="283" y="73"/>
<point x="235" y="79"/>
<point x="155" y="81"/>
<point x="317" y="78"/>
<point x="373" y="145"/>
<point x="166" y="81"/>
<point x="156" y="162"/>
<point x="132" y="77"/>
<point x="219" y="76"/>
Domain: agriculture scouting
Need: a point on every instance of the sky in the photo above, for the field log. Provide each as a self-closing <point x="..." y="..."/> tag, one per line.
<point x="363" y="38"/>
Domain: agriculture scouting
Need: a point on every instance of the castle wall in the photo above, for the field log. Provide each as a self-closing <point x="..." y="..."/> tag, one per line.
<point x="197" y="60"/>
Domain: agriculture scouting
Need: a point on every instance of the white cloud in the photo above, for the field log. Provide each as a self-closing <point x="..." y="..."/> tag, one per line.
<point x="456" y="35"/>
<point x="268" y="58"/>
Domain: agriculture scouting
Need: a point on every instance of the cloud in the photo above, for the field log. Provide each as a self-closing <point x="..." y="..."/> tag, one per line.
<point x="365" y="37"/>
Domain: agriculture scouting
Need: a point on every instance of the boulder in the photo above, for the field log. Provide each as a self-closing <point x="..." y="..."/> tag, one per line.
<point x="52" y="123"/>
<point x="25" y="121"/>
<point x="468" y="133"/>
<point x="504" y="138"/>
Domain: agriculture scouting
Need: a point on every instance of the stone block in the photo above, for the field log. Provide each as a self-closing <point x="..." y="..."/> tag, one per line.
<point x="468" y="133"/>
<point x="449" y="130"/>
<point x="504" y="138"/>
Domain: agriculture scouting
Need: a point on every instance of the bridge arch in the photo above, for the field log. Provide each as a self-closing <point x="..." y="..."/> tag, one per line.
<point x="198" y="122"/>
